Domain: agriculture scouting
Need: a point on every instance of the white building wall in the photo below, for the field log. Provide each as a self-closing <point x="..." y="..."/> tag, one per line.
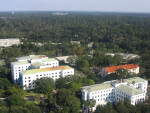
<point x="52" y="63"/>
<point x="104" y="96"/>
<point x="27" y="82"/>
<point x="15" y="69"/>
<point x="134" y="71"/>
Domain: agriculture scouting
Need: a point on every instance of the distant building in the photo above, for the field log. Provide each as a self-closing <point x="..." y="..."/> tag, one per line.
<point x="75" y="42"/>
<point x="114" y="91"/>
<point x="9" y="42"/>
<point x="132" y="68"/>
<point x="63" y="58"/>
<point x="90" y="45"/>
<point x="60" y="14"/>
<point x="124" y="56"/>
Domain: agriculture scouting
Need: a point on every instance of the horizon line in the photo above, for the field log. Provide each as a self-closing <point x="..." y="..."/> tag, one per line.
<point x="75" y="11"/>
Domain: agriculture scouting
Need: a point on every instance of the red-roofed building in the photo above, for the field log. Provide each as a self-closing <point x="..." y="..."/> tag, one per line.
<point x="132" y="68"/>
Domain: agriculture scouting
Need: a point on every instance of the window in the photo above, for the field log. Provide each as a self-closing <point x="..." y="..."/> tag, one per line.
<point x="36" y="75"/>
<point x="29" y="80"/>
<point x="28" y="77"/>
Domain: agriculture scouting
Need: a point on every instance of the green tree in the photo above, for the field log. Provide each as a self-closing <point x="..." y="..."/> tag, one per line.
<point x="4" y="109"/>
<point x="45" y="86"/>
<point x="90" y="103"/>
<point x="15" y="89"/>
<point x="82" y="64"/>
<point x="61" y="83"/>
<point x="2" y="103"/>
<point x="33" y="108"/>
<point x="16" y="100"/>
<point x="18" y="109"/>
<point x="67" y="100"/>
<point x="4" y="83"/>
<point x="72" y="59"/>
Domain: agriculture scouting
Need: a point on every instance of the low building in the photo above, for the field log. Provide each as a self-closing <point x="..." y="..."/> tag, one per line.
<point x="124" y="56"/>
<point x="75" y="42"/>
<point x="90" y="45"/>
<point x="62" y="58"/>
<point x="9" y="42"/>
<point x="114" y="91"/>
<point x="31" y="62"/>
<point x="28" y="77"/>
<point x="132" y="68"/>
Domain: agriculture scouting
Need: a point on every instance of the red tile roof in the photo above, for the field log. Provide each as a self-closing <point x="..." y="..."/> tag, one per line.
<point x="127" y="66"/>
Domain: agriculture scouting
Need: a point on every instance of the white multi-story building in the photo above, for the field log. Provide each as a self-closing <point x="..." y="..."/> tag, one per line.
<point x="131" y="68"/>
<point x="28" y="77"/>
<point x="31" y="62"/>
<point x="114" y="91"/>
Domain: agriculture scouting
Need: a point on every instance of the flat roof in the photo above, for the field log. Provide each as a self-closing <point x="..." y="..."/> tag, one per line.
<point x="30" y="57"/>
<point x="98" y="87"/>
<point x="37" y="64"/>
<point x="33" y="71"/>
<point x="49" y="60"/>
<point x="20" y="63"/>
<point x="129" y="90"/>
<point x="135" y="79"/>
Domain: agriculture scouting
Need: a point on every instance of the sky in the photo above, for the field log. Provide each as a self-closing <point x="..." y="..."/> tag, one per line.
<point x="76" y="5"/>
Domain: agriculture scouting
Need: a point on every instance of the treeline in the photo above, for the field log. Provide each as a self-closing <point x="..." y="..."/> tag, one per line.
<point x="86" y="27"/>
<point x="123" y="107"/>
<point x="62" y="96"/>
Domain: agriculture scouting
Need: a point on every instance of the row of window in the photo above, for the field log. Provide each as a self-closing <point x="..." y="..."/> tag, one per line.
<point x="105" y="99"/>
<point x="54" y="77"/>
<point x="103" y="91"/>
<point x="22" y="67"/>
<point x="138" y="96"/>
<point x="108" y="94"/>
<point x="122" y="93"/>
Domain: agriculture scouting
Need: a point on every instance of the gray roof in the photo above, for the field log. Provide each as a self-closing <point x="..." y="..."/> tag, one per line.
<point x="135" y="79"/>
<point x="98" y="87"/>
<point x="129" y="90"/>
<point x="20" y="63"/>
<point x="49" y="60"/>
<point x="37" y="64"/>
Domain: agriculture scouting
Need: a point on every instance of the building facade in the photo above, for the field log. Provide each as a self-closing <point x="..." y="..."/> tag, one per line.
<point x="28" y="77"/>
<point x="30" y="62"/>
<point x="132" y="68"/>
<point x="114" y="91"/>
